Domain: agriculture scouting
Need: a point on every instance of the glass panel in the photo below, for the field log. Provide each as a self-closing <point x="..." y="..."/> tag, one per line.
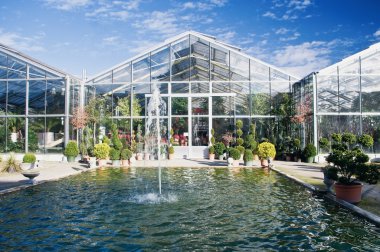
<point x="35" y="72"/>
<point x="16" y="131"/>
<point x="105" y="78"/>
<point x="370" y="93"/>
<point x="261" y="102"/>
<point x="349" y="67"/>
<point x="180" y="88"/>
<point x="370" y="64"/>
<point x="74" y="95"/>
<point x="349" y="123"/>
<point x="219" y="63"/>
<point x="179" y="106"/>
<point x="222" y="126"/>
<point x="37" y="92"/>
<point x="138" y="105"/>
<point x="199" y="105"/>
<point x="122" y="101"/>
<point x="349" y="89"/>
<point x="181" y="130"/>
<point x="222" y="105"/>
<point x="16" y="69"/>
<point x="141" y="70"/>
<point x="200" y="131"/>
<point x="160" y="65"/>
<point x="55" y="97"/>
<point x="180" y="60"/>
<point x="371" y="126"/>
<point x="124" y="126"/>
<point x="54" y="134"/>
<point x="199" y="59"/>
<point x="264" y="128"/>
<point x="242" y="102"/>
<point x="239" y="67"/>
<point x="163" y="106"/>
<point x="36" y="136"/>
<point x="163" y="87"/>
<point x="259" y="72"/>
<point x="122" y="74"/>
<point x="139" y="132"/>
<point x="3" y="96"/>
<point x="278" y="76"/>
<point x="16" y="97"/>
<point x="200" y="87"/>
<point x="221" y="87"/>
<point x="327" y="93"/>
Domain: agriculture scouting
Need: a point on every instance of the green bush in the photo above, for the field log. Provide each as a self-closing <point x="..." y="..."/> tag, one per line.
<point x="219" y="148"/>
<point x="309" y="151"/>
<point x="348" y="138"/>
<point x="239" y="132"/>
<point x="106" y="140"/>
<point x="248" y="155"/>
<point x="323" y="143"/>
<point x="29" y="158"/>
<point x="234" y="153"/>
<point x="211" y="150"/>
<point x="125" y="154"/>
<point x="241" y="149"/>
<point x="71" y="149"/>
<point x="102" y="150"/>
<point x="114" y="154"/>
<point x="365" y="140"/>
<point x="83" y="149"/>
<point x="296" y="143"/>
<point x="239" y="124"/>
<point x="117" y="144"/>
<point x="336" y="137"/>
<point x="266" y="150"/>
<point x="171" y="150"/>
<point x="212" y="139"/>
<point x="240" y="141"/>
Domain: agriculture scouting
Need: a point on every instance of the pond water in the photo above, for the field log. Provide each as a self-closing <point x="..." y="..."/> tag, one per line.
<point x="205" y="209"/>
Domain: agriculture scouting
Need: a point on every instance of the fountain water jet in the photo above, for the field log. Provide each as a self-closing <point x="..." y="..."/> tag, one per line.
<point x="153" y="146"/>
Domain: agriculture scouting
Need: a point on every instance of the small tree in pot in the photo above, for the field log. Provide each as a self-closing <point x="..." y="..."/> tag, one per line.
<point x="211" y="153"/>
<point x="71" y="151"/>
<point x="28" y="161"/>
<point x="219" y="149"/>
<point x="235" y="154"/>
<point x="125" y="155"/>
<point x="101" y="152"/>
<point x="248" y="157"/>
<point x="115" y="156"/>
<point x="309" y="153"/>
<point x="266" y="151"/>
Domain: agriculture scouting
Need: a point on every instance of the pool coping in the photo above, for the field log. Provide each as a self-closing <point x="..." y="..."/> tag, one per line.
<point x="371" y="217"/>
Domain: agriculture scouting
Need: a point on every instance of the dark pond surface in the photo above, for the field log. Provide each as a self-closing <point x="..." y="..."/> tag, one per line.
<point x="200" y="209"/>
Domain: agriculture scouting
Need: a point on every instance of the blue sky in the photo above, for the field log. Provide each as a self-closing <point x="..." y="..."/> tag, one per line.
<point x="300" y="36"/>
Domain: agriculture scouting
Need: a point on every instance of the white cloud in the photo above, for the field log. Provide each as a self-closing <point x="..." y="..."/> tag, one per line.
<point x="22" y="43"/>
<point x="290" y="38"/>
<point x="111" y="40"/>
<point x="270" y="15"/>
<point x="206" y="5"/>
<point x="67" y="4"/>
<point x="282" y="31"/>
<point x="299" y="4"/>
<point x="164" y="23"/>
<point x="377" y="33"/>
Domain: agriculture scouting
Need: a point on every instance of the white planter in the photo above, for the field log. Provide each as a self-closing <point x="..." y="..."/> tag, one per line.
<point x="230" y="162"/>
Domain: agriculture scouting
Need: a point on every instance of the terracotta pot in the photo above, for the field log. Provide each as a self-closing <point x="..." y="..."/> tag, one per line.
<point x="211" y="157"/>
<point x="125" y="162"/>
<point x="171" y="156"/>
<point x="350" y="193"/>
<point x="264" y="162"/>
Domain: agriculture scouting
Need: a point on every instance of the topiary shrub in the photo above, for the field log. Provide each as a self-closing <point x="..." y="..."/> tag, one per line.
<point x="323" y="143"/>
<point x="211" y="150"/>
<point x="106" y="140"/>
<point x="248" y="155"/>
<point x="125" y="154"/>
<point x="29" y="158"/>
<point x="117" y="144"/>
<point x="365" y="140"/>
<point x="219" y="148"/>
<point x="241" y="149"/>
<point x="234" y="153"/>
<point x="309" y="151"/>
<point x="266" y="150"/>
<point x="171" y="150"/>
<point x="212" y="139"/>
<point x="114" y="154"/>
<point x="102" y="150"/>
<point x="336" y="137"/>
<point x="348" y="138"/>
<point x="71" y="149"/>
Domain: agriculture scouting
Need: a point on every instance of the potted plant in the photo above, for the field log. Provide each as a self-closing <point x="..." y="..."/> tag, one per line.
<point x="240" y="140"/>
<point x="211" y="153"/>
<point x="171" y="152"/>
<point x="125" y="155"/>
<point x="266" y="151"/>
<point x="71" y="151"/>
<point x="297" y="149"/>
<point x="235" y="154"/>
<point x="309" y="153"/>
<point x="115" y="156"/>
<point x="101" y="152"/>
<point x="323" y="145"/>
<point x="219" y="149"/>
<point x="28" y="161"/>
<point x="248" y="157"/>
<point x="365" y="141"/>
<point x="350" y="166"/>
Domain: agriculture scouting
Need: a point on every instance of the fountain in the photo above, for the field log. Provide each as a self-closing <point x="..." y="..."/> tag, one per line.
<point x="156" y="108"/>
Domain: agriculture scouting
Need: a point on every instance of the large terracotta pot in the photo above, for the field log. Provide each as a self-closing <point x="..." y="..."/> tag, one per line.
<point x="264" y="162"/>
<point x="349" y="193"/>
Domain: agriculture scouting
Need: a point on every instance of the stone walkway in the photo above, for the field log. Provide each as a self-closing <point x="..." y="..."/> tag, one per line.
<point x="308" y="174"/>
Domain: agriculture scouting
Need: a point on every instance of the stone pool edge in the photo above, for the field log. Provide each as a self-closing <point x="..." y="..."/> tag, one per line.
<point x="371" y="217"/>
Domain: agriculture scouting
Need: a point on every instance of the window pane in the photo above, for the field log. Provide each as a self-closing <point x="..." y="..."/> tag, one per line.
<point x="16" y="131"/>
<point x="199" y="87"/>
<point x="181" y="130"/>
<point x="200" y="131"/>
<point x="261" y="102"/>
<point x="141" y="70"/>
<point x="239" y="67"/>
<point x="180" y="60"/>
<point x="219" y="63"/>
<point x="199" y="59"/>
<point x="179" y="106"/>
<point x="37" y="92"/>
<point x="55" y="97"/>
<point x="122" y="74"/>
<point x="180" y="88"/>
<point x="54" y="134"/>
<point x="199" y="105"/>
<point x="160" y="65"/>
<point x="36" y="136"/>
<point x="16" y="97"/>
<point x="222" y="105"/>
<point x="327" y="93"/>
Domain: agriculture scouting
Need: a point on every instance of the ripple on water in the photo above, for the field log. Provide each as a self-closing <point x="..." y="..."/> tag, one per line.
<point x="153" y="198"/>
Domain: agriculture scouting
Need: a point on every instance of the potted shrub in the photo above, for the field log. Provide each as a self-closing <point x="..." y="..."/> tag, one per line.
<point x="115" y="157"/>
<point x="211" y="153"/>
<point x="171" y="152"/>
<point x="248" y="158"/>
<point x="241" y="150"/>
<point x="28" y="161"/>
<point x="101" y="152"/>
<point x="350" y="165"/>
<point x="235" y="154"/>
<point x="309" y="153"/>
<point x="71" y="151"/>
<point x="365" y="141"/>
<point x="297" y="149"/>
<point x="219" y="149"/>
<point x="266" y="151"/>
<point x="125" y="155"/>
<point x="323" y="145"/>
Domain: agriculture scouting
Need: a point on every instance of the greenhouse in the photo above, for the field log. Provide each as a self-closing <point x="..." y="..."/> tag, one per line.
<point x="206" y="86"/>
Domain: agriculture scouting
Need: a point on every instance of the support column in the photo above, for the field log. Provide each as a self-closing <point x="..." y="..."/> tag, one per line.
<point x="27" y="110"/>
<point x="67" y="110"/>
<point x="315" y="123"/>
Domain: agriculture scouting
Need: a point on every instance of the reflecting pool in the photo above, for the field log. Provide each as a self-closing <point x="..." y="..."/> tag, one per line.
<point x="206" y="209"/>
